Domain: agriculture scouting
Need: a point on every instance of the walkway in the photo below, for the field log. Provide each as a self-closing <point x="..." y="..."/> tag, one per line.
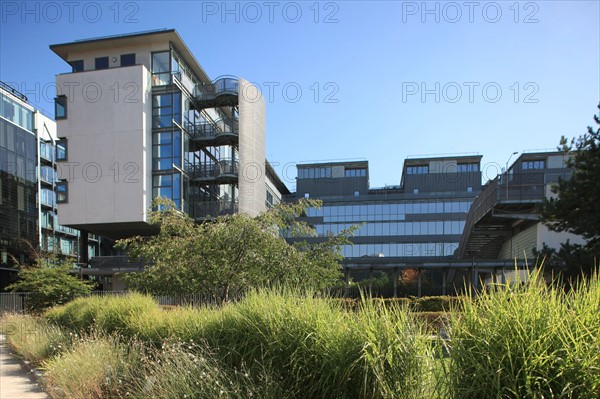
<point x="15" y="381"/>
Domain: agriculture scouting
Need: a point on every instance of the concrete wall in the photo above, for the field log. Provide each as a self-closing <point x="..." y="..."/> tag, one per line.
<point x="520" y="244"/>
<point x="109" y="146"/>
<point x="252" y="114"/>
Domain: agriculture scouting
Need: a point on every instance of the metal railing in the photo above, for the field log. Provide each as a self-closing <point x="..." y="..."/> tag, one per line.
<point x="225" y="167"/>
<point x="221" y="85"/>
<point x="210" y="130"/>
<point x="16" y="302"/>
<point x="205" y="209"/>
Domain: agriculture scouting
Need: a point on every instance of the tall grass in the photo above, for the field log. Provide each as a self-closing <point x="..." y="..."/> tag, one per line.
<point x="180" y="369"/>
<point x="527" y="340"/>
<point x="311" y="347"/>
<point x="33" y="338"/>
<point x="96" y="366"/>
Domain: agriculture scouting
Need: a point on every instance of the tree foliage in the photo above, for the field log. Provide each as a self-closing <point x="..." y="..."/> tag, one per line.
<point x="50" y="283"/>
<point x="230" y="254"/>
<point x="576" y="208"/>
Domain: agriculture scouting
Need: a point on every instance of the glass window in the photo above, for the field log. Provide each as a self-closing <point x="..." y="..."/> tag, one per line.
<point x="61" y="150"/>
<point x="161" y="70"/>
<point x="101" y="63"/>
<point x="127" y="59"/>
<point x="76" y="66"/>
<point x="62" y="192"/>
<point x="60" y="107"/>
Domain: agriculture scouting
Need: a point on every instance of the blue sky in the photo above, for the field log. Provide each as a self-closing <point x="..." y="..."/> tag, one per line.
<point x="375" y="80"/>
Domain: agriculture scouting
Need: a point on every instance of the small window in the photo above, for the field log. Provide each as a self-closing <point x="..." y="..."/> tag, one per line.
<point x="127" y="59"/>
<point x="356" y="193"/>
<point x="306" y="195"/>
<point x="415" y="191"/>
<point x="469" y="189"/>
<point x="61" y="150"/>
<point x="62" y="192"/>
<point x="102" y="63"/>
<point x="60" y="107"/>
<point x="77" y="66"/>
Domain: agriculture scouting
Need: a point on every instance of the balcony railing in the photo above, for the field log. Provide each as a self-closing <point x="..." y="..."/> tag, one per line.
<point x="207" y="209"/>
<point x="207" y="130"/>
<point x="223" y="91"/>
<point x="222" y="168"/>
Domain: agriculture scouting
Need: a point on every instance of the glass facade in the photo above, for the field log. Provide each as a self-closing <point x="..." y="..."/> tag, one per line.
<point x="402" y="228"/>
<point x="199" y="176"/>
<point x="18" y="206"/>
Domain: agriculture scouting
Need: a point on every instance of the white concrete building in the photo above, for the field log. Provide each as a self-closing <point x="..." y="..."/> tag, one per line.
<point x="139" y="118"/>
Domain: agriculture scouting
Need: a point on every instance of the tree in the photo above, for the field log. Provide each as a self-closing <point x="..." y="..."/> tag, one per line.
<point x="49" y="283"/>
<point x="230" y="254"/>
<point x="577" y="206"/>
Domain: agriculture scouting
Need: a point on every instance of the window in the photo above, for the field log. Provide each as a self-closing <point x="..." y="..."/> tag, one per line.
<point x="469" y="189"/>
<point x="468" y="167"/>
<point x="60" y="107"/>
<point x="61" y="150"/>
<point x="167" y="186"/>
<point x="165" y="109"/>
<point x="315" y="173"/>
<point x="415" y="191"/>
<point x="533" y="165"/>
<point x="161" y="68"/>
<point x="355" y="172"/>
<point x="417" y="170"/>
<point x="102" y="63"/>
<point x="77" y="66"/>
<point x="62" y="192"/>
<point x="127" y="59"/>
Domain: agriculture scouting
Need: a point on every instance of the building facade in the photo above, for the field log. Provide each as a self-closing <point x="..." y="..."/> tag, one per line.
<point x="504" y="221"/>
<point x="416" y="224"/>
<point x="139" y="119"/>
<point x="28" y="185"/>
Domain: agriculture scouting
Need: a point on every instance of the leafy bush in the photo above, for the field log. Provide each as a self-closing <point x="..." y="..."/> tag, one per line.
<point x="49" y="285"/>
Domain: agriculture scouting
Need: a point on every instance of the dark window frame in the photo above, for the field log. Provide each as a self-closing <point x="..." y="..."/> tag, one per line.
<point x="101" y="60"/>
<point x="61" y="101"/>
<point x="62" y="196"/>
<point x="128" y="59"/>
<point x="77" y="66"/>
<point x="64" y="143"/>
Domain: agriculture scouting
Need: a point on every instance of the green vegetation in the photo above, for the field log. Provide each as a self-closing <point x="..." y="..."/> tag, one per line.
<point x="577" y="207"/>
<point x="232" y="254"/>
<point x="49" y="284"/>
<point x="527" y="341"/>
<point x="516" y="341"/>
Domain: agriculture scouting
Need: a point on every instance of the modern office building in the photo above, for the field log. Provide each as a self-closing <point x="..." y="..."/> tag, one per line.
<point x="28" y="185"/>
<point x="416" y="224"/>
<point x="139" y="118"/>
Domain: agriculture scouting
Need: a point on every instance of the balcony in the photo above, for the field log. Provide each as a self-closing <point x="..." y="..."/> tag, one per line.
<point x="222" y="172"/>
<point x="221" y="132"/>
<point x="222" y="92"/>
<point x="210" y="209"/>
<point x="503" y="203"/>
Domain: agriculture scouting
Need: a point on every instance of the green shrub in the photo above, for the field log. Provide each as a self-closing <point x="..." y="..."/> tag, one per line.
<point x="110" y="314"/>
<point x="435" y="303"/>
<point x="527" y="341"/>
<point x="33" y="338"/>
